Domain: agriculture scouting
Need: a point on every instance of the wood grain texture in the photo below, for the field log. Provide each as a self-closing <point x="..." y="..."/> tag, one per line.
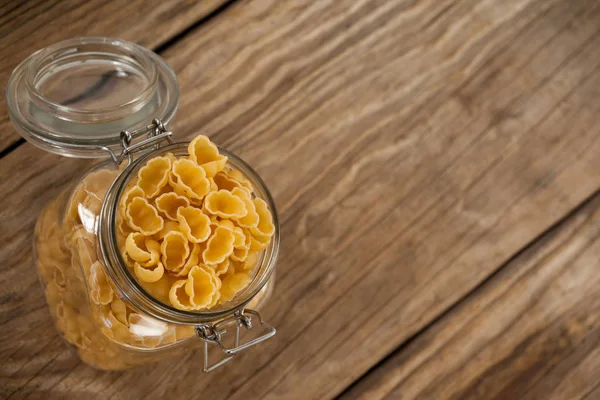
<point x="531" y="332"/>
<point x="412" y="148"/>
<point x="27" y="26"/>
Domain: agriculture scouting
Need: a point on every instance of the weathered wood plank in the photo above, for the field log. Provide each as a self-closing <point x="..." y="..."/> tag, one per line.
<point x="26" y="26"/>
<point x="531" y="332"/>
<point x="412" y="149"/>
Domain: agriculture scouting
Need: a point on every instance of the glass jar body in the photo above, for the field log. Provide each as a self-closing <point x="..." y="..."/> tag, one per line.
<point x="91" y="312"/>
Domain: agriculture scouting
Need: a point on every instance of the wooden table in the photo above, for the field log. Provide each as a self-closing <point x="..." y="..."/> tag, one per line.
<point x="436" y="164"/>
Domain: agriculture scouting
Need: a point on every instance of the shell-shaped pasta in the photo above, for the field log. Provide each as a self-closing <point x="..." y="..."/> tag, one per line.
<point x="265" y="225"/>
<point x="258" y="243"/>
<point x="240" y="253"/>
<point x="224" y="204"/>
<point x="206" y="154"/>
<point x="190" y="178"/>
<point x="135" y="247"/>
<point x="233" y="284"/>
<point x="240" y="237"/>
<point x="159" y="289"/>
<point x="100" y="290"/>
<point x="223" y="181"/>
<point x="219" y="246"/>
<point x="178" y="297"/>
<point x="213" y="185"/>
<point x="221" y="268"/>
<point x="175" y="250"/>
<point x="168" y="227"/>
<point x="193" y="259"/>
<point x="251" y="261"/>
<point x="143" y="217"/>
<point x="169" y="203"/>
<point x="200" y="287"/>
<point x="99" y="181"/>
<point x="130" y="194"/>
<point x="119" y="309"/>
<point x="194" y="224"/>
<point x="151" y="274"/>
<point x="252" y="218"/>
<point x="240" y="177"/>
<point x="154" y="175"/>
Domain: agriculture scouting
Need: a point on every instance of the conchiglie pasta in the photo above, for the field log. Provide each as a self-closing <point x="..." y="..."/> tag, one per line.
<point x="100" y="290"/>
<point x="224" y="204"/>
<point x="169" y="203"/>
<point x="190" y="178"/>
<point x="154" y="175"/>
<point x="219" y="246"/>
<point x="206" y="154"/>
<point x="265" y="226"/>
<point x="200" y="287"/>
<point x="143" y="217"/>
<point x="175" y="250"/>
<point x="194" y="224"/>
<point x="149" y="274"/>
<point x="233" y="284"/>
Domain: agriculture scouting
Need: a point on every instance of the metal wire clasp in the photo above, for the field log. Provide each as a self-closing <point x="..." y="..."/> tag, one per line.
<point x="213" y="334"/>
<point x="156" y="132"/>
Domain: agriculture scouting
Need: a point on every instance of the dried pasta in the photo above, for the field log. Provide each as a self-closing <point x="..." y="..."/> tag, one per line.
<point x="225" y="205"/>
<point x="154" y="175"/>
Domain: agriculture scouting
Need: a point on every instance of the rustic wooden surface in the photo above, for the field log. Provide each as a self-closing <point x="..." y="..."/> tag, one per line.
<point x="429" y="160"/>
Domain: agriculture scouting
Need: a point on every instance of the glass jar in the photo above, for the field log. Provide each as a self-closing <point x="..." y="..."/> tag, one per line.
<point x="105" y="98"/>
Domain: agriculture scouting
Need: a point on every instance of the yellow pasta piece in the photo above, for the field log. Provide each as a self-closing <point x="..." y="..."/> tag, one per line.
<point x="175" y="250"/>
<point x="250" y="262"/>
<point x="100" y="290"/>
<point x="194" y="224"/>
<point x="135" y="247"/>
<point x="99" y="181"/>
<point x="169" y="203"/>
<point x="77" y="198"/>
<point x="240" y="177"/>
<point x="252" y="218"/>
<point x="200" y="287"/>
<point x="233" y="284"/>
<point x="143" y="217"/>
<point x="206" y="154"/>
<point x="258" y="243"/>
<point x="154" y="175"/>
<point x="224" y="204"/>
<point x="240" y="253"/>
<point x="159" y="289"/>
<point x="193" y="260"/>
<point x="119" y="309"/>
<point x="219" y="246"/>
<point x="221" y="268"/>
<point x="130" y="194"/>
<point x="178" y="297"/>
<point x="223" y="181"/>
<point x="190" y="178"/>
<point x="168" y="227"/>
<point x="240" y="237"/>
<point x="149" y="274"/>
<point x="265" y="225"/>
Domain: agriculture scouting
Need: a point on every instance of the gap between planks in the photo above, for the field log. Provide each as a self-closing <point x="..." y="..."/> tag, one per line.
<point x="527" y="247"/>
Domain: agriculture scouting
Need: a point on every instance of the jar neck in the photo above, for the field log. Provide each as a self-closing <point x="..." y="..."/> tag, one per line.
<point x="126" y="282"/>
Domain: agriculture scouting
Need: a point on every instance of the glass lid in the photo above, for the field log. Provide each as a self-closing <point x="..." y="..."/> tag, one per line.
<point x="75" y="97"/>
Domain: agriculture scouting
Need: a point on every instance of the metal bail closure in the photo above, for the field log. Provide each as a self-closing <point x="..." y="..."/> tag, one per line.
<point x="156" y="133"/>
<point x="213" y="334"/>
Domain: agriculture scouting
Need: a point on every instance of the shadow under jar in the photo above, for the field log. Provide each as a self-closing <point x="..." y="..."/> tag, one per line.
<point x="108" y="99"/>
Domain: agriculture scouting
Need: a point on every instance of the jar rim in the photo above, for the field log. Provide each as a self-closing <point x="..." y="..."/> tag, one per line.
<point x="109" y="65"/>
<point x="130" y="287"/>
